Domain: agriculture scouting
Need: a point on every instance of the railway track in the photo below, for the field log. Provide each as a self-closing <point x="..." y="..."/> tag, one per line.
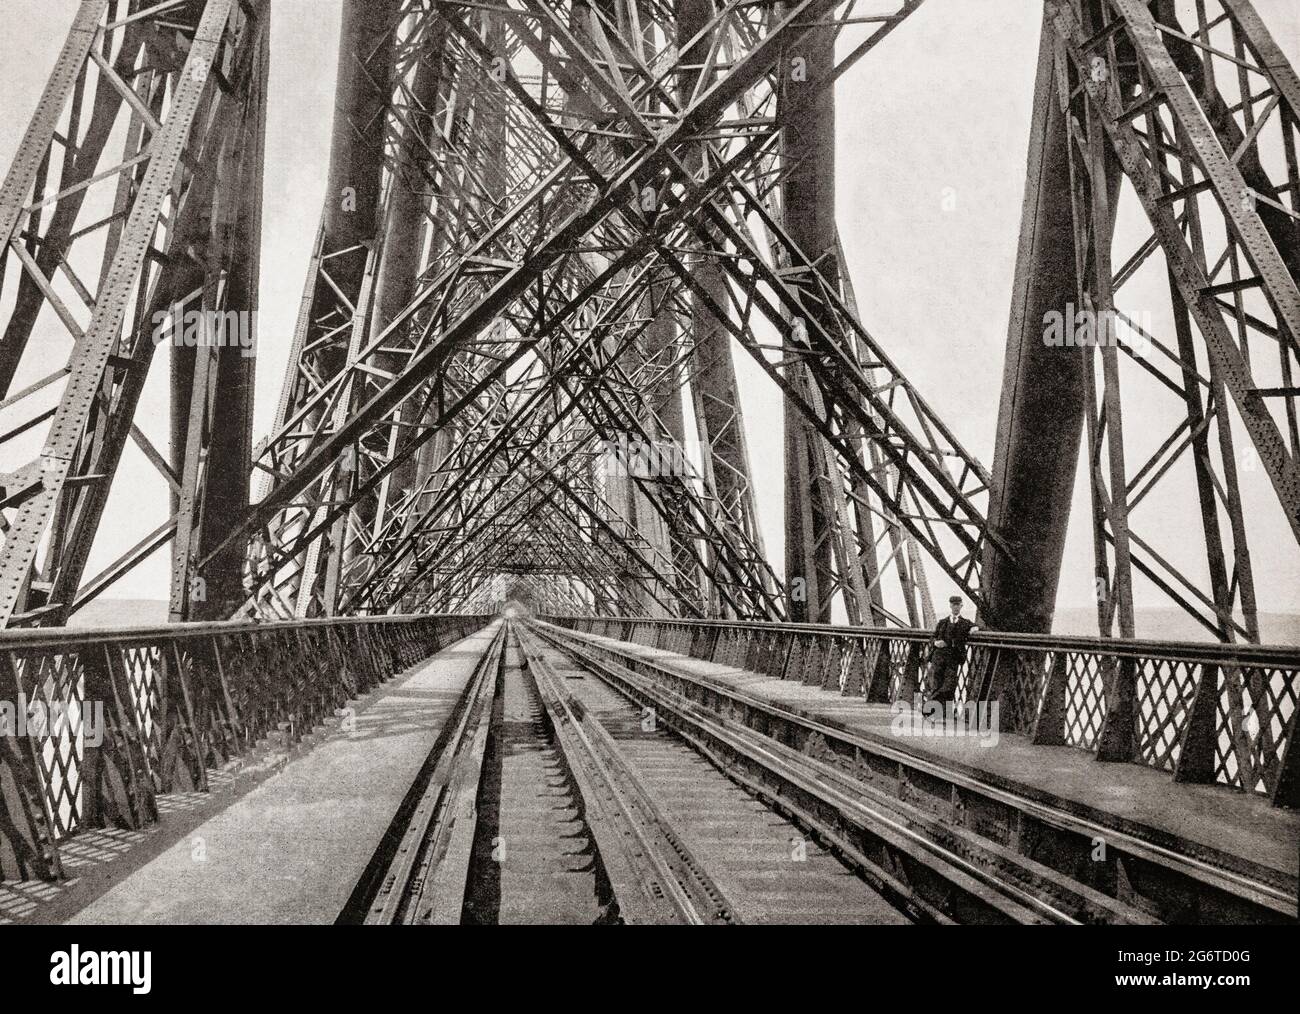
<point x="553" y="796"/>
<point x="534" y="856"/>
<point x="930" y="838"/>
<point x="578" y="784"/>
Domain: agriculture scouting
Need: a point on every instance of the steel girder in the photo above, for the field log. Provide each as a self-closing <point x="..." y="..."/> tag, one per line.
<point x="1200" y="120"/>
<point x="512" y="451"/>
<point x="815" y="521"/>
<point x="715" y="394"/>
<point x="182" y="85"/>
<point x="338" y="295"/>
<point x="594" y="410"/>
<point x="212" y="388"/>
<point x="853" y="548"/>
<point x="710" y="104"/>
<point x="932" y="460"/>
<point x="541" y="183"/>
<point x="1041" y="414"/>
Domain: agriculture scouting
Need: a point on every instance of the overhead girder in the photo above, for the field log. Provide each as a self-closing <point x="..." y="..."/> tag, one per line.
<point x="889" y="26"/>
<point x="590" y="377"/>
<point x="504" y="434"/>
<point x="884" y="30"/>
<point x="508" y="299"/>
<point x="516" y="278"/>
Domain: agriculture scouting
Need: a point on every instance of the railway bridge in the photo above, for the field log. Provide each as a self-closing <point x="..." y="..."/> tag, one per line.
<point x="483" y="626"/>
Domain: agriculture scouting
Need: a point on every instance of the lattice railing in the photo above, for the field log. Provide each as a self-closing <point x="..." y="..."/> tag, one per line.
<point x="1210" y="712"/>
<point x="95" y="724"/>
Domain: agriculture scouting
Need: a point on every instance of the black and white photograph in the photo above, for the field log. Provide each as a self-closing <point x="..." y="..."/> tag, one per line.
<point x="819" y="465"/>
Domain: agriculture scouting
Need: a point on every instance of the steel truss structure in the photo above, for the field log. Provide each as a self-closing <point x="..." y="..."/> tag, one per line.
<point x="548" y="229"/>
<point x="1201" y="121"/>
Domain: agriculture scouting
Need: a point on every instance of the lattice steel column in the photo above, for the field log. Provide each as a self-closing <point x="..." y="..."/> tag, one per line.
<point x="1202" y="123"/>
<point x="179" y="82"/>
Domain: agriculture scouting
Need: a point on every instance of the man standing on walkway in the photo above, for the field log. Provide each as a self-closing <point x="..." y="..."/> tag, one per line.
<point x="948" y="652"/>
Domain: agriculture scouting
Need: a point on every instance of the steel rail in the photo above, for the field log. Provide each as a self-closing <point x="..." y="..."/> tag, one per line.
<point x="778" y="776"/>
<point x="697" y="897"/>
<point x="1205" y="712"/>
<point x="424" y="880"/>
<point x="699" y="700"/>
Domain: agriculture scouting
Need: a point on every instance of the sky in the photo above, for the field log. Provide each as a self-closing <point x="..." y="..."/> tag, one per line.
<point x="933" y="130"/>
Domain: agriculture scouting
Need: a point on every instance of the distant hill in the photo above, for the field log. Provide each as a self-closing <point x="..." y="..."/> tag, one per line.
<point x="1175" y="625"/>
<point x="106" y="612"/>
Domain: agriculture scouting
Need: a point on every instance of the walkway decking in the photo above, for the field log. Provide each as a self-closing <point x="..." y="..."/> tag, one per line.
<point x="1235" y="830"/>
<point x="292" y="848"/>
